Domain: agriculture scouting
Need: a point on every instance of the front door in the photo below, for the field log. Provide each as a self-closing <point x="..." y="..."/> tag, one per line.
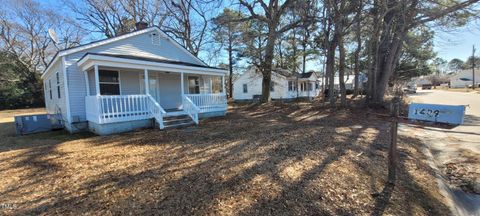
<point x="165" y="88"/>
<point x="170" y="90"/>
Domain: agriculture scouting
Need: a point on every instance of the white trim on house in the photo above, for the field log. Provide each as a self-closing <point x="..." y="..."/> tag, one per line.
<point x="90" y="60"/>
<point x="87" y="82"/>
<point x="65" y="86"/>
<point x="45" y="72"/>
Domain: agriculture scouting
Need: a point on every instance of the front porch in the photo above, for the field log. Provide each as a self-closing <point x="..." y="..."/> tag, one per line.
<point x="125" y="92"/>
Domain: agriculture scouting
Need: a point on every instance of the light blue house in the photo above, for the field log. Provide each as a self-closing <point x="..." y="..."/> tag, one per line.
<point x="136" y="80"/>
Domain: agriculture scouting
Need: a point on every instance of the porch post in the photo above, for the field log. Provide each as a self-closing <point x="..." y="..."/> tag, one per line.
<point x="181" y="83"/>
<point x="223" y="85"/>
<point x="97" y="81"/>
<point x="87" y="84"/>
<point x="145" y="76"/>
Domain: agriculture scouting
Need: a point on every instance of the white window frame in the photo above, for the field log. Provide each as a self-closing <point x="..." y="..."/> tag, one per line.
<point x="245" y="88"/>
<point x="199" y="86"/>
<point x="292" y="85"/>
<point x="212" y="81"/>
<point x="57" y="77"/>
<point x="50" y="88"/>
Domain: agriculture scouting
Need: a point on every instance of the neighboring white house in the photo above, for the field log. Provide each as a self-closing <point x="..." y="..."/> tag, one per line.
<point x="285" y="85"/>
<point x="464" y="78"/>
<point x="349" y="82"/>
<point x="140" y="79"/>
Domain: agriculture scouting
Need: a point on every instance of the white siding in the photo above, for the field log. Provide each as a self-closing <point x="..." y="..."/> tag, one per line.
<point x="140" y="45"/>
<point x="55" y="105"/>
<point x="467" y="76"/>
<point x="254" y="86"/>
<point x="130" y="82"/>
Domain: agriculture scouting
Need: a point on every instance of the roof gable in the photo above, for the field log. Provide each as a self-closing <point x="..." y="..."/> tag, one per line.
<point x="164" y="38"/>
<point x="108" y="43"/>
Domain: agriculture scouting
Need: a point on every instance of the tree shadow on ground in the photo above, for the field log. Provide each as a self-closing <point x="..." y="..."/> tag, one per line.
<point x="261" y="160"/>
<point x="410" y="155"/>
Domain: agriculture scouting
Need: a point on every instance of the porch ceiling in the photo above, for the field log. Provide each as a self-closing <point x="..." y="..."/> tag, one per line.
<point x="137" y="62"/>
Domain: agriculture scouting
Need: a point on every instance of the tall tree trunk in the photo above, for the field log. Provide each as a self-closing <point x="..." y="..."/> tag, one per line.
<point x="267" y="65"/>
<point x="324" y="79"/>
<point x="230" y="68"/>
<point x="332" y="45"/>
<point x="373" y="52"/>
<point x="393" y="33"/>
<point x="341" y="70"/>
<point x="304" y="57"/>
<point x="358" y="50"/>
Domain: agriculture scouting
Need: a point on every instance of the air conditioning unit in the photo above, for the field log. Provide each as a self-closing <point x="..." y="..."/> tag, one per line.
<point x="28" y="124"/>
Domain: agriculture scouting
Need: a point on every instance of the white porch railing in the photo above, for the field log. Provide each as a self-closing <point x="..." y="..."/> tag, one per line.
<point x="156" y="110"/>
<point x="116" y="108"/>
<point x="209" y="102"/>
<point x="190" y="108"/>
<point x="119" y="108"/>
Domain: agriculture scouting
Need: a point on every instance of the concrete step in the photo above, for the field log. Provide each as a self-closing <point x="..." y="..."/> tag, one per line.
<point x="177" y="121"/>
<point x="179" y="125"/>
<point x="168" y="118"/>
<point x="173" y="120"/>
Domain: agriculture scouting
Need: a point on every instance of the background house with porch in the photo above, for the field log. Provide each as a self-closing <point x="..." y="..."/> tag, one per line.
<point x="140" y="79"/>
<point x="285" y="85"/>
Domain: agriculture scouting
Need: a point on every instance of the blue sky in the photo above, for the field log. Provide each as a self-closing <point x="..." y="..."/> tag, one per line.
<point x="458" y="44"/>
<point x="447" y="44"/>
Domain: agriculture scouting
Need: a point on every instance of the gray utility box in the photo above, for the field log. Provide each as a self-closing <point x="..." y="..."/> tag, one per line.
<point x="28" y="124"/>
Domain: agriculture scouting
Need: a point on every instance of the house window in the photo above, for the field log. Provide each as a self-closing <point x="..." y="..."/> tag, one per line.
<point x="303" y="86"/>
<point x="217" y="84"/>
<point x="193" y="85"/>
<point x="109" y="82"/>
<point x="317" y="85"/>
<point x="50" y="88"/>
<point x="310" y="86"/>
<point x="245" y="88"/>
<point x="292" y="86"/>
<point x="272" y="86"/>
<point x="57" y="76"/>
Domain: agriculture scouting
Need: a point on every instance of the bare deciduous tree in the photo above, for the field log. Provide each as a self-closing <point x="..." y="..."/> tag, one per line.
<point x="117" y="17"/>
<point x="24" y="33"/>
<point x="271" y="15"/>
<point x="188" y="20"/>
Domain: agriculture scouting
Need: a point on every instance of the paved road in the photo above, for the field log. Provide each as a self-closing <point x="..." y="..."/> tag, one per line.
<point x="469" y="132"/>
<point x="457" y="148"/>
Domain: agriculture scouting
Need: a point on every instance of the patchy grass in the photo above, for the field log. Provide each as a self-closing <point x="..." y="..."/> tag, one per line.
<point x="456" y="89"/>
<point x="277" y="159"/>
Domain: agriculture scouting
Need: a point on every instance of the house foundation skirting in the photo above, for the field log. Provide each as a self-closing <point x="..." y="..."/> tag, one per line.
<point x="212" y="114"/>
<point x="77" y="127"/>
<point x="119" y="127"/>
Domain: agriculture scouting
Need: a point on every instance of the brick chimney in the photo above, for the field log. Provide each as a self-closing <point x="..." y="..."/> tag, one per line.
<point x="141" y="25"/>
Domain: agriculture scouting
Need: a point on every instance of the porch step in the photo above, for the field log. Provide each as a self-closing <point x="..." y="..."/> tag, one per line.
<point x="177" y="121"/>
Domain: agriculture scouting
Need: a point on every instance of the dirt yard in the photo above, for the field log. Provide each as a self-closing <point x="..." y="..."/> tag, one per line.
<point x="258" y="160"/>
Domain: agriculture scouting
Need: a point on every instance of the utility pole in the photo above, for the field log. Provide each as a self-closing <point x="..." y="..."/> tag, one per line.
<point x="473" y="67"/>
